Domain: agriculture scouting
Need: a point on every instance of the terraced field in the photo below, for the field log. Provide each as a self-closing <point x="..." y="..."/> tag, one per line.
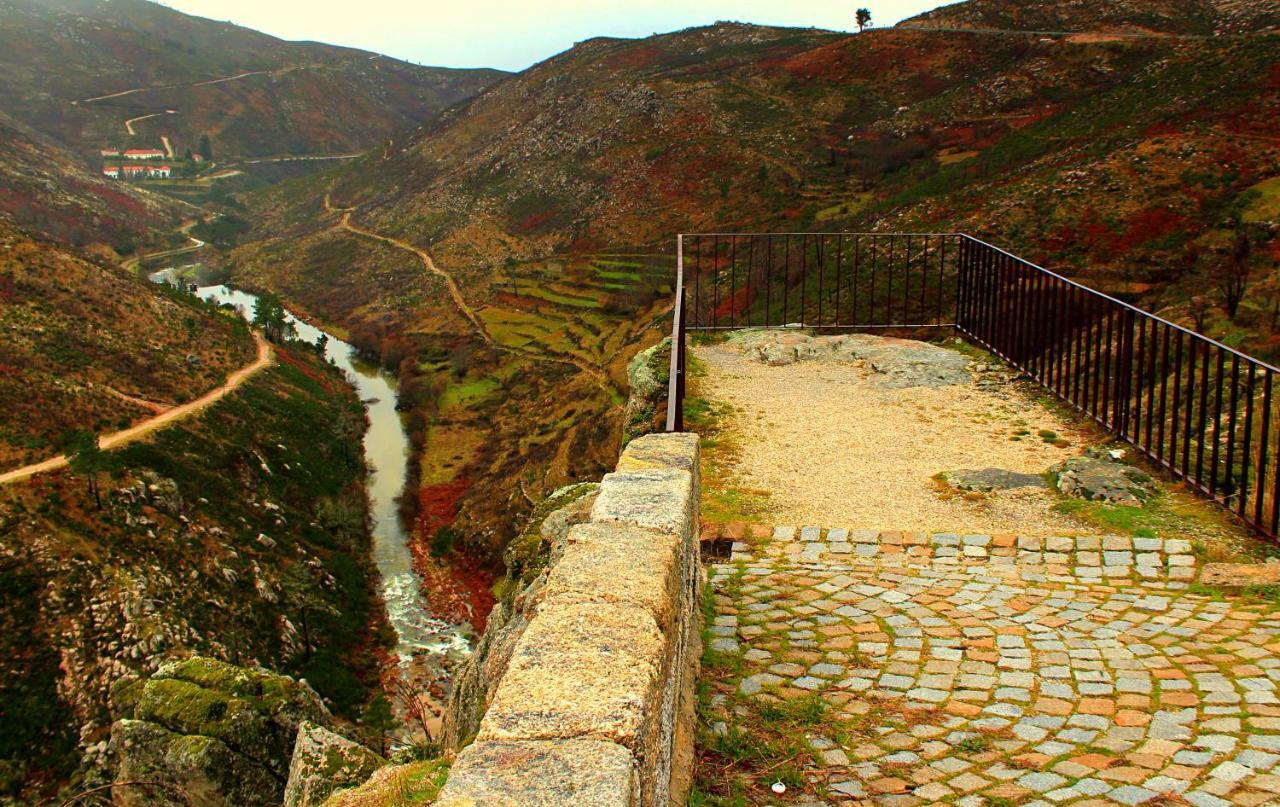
<point x="515" y="416"/>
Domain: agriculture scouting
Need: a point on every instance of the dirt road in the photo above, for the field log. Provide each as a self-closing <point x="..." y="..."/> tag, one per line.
<point x="460" y="302"/>
<point x="266" y="355"/>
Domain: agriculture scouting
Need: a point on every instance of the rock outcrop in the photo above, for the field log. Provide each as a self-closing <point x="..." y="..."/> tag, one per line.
<point x="987" y="480"/>
<point x="895" y="363"/>
<point x="215" y="733"/>
<point x="1098" y="476"/>
<point x="647" y="375"/>
<point x="324" y="761"/>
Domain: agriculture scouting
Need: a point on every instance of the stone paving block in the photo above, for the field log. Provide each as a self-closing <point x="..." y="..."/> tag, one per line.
<point x="1111" y="682"/>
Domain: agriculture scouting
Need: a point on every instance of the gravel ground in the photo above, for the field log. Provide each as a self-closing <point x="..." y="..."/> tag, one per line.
<point x="835" y="447"/>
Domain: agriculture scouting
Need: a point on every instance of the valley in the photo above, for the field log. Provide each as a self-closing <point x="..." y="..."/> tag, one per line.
<point x="455" y="271"/>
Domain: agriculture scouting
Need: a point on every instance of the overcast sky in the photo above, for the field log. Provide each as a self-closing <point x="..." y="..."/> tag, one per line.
<point x="513" y="34"/>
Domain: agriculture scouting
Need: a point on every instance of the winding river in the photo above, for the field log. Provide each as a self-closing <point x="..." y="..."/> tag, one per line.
<point x="426" y="645"/>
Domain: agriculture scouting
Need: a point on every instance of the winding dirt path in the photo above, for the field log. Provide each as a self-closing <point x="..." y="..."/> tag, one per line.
<point x="185" y="229"/>
<point x="265" y="357"/>
<point x="128" y="125"/>
<point x="460" y="302"/>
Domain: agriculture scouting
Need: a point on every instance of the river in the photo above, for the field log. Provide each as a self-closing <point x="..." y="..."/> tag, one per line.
<point x="427" y="647"/>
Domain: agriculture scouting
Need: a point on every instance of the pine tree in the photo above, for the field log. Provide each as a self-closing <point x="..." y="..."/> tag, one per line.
<point x="87" y="459"/>
<point x="864" y="18"/>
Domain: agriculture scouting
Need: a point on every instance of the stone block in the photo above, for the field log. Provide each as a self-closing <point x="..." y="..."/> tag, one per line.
<point x="671" y="451"/>
<point x="658" y="499"/>
<point x="581" y="669"/>
<point x="616" y="563"/>
<point x="578" y="772"/>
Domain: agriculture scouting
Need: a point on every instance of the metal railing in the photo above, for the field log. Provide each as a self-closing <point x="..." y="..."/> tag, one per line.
<point x="1198" y="408"/>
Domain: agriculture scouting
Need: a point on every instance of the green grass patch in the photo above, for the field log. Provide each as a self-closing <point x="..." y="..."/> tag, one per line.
<point x="1261" y="203"/>
<point x="467" y="393"/>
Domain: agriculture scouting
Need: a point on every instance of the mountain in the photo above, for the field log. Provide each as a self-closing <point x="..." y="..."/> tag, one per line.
<point x="628" y="142"/>
<point x="77" y="70"/>
<point x="1194" y="18"/>
<point x="1114" y="159"/>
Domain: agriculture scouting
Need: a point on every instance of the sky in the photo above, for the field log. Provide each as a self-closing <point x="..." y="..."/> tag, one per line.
<point x="513" y="34"/>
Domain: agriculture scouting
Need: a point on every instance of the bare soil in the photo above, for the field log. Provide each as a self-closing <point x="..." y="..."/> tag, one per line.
<point x="834" y="446"/>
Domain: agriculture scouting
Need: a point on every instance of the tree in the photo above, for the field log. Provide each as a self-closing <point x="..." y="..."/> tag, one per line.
<point x="268" y="314"/>
<point x="206" y="149"/>
<point x="1231" y="273"/>
<point x="864" y="18"/>
<point x="379" y="719"/>
<point x="1199" y="307"/>
<point x="87" y="459"/>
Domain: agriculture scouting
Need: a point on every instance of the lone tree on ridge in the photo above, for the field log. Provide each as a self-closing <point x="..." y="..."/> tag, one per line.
<point x="864" y="18"/>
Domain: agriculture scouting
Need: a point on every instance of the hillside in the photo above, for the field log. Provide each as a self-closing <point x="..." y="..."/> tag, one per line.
<point x="88" y="345"/>
<point x="47" y="190"/>
<point x="1117" y="160"/>
<point x="1197" y="18"/>
<point x="77" y="70"/>
<point x="627" y="142"/>
<point x="239" y="534"/>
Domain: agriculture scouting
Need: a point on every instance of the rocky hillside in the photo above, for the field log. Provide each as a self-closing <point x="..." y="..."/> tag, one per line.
<point x="627" y="142"/>
<point x="76" y="70"/>
<point x="240" y="534"/>
<point x="87" y="345"/>
<point x="1196" y="18"/>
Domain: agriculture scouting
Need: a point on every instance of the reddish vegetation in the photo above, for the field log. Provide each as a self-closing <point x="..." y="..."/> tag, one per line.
<point x="1147" y="225"/>
<point x="439" y="506"/>
<point x="636" y="58"/>
<point x="533" y="222"/>
<point x="826" y="62"/>
<point x="733" y="307"/>
<point x="519" y="302"/>
<point x="1023" y="121"/>
<point x="287" y="357"/>
<point x="457" y="589"/>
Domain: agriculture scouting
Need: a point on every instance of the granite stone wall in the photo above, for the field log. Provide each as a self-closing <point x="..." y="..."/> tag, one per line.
<point x="595" y="706"/>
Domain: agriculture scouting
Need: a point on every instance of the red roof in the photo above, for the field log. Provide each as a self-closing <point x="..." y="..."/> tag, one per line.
<point x="145" y="151"/>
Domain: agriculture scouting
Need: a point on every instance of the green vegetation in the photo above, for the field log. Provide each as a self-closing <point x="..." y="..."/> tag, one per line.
<point x="250" y="514"/>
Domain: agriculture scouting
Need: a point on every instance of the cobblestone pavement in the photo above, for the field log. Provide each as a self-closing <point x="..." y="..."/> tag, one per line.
<point x="987" y="670"/>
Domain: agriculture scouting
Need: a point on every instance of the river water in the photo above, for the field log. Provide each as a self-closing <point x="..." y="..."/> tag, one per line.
<point x="427" y="646"/>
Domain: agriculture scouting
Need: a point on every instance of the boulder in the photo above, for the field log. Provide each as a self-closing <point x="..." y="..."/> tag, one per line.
<point x="193" y="769"/>
<point x="1098" y="476"/>
<point x="986" y="480"/>
<point x="212" y="728"/>
<point x="324" y="762"/>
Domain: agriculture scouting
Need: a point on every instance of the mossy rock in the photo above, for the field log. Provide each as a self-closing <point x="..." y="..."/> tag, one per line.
<point x="324" y="762"/>
<point x="195" y="717"/>
<point x="396" y="786"/>
<point x="188" y="770"/>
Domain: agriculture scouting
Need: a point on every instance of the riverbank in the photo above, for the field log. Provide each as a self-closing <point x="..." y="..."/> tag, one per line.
<point x="430" y="643"/>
